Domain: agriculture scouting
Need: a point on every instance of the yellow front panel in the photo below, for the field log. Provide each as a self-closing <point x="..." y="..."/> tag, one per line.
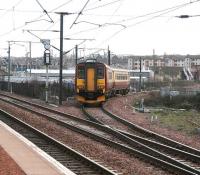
<point x="101" y="84"/>
<point x="80" y="82"/>
<point x="90" y="79"/>
<point x="80" y="85"/>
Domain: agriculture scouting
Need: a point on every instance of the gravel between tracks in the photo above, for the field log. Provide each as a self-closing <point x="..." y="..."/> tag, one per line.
<point x="128" y="165"/>
<point x="121" y="106"/>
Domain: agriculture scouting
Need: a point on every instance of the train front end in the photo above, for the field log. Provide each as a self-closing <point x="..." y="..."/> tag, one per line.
<point x="90" y="82"/>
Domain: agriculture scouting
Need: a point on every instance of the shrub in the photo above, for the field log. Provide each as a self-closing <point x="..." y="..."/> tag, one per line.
<point x="186" y="102"/>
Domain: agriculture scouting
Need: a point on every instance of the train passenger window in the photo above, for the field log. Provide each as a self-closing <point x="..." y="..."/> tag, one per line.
<point x="117" y="77"/>
<point x="100" y="72"/>
<point x="121" y="77"/>
<point x="81" y="72"/>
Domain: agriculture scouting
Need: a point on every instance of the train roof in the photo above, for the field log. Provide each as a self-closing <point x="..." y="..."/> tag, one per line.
<point x="119" y="69"/>
<point x="94" y="61"/>
<point x="90" y="61"/>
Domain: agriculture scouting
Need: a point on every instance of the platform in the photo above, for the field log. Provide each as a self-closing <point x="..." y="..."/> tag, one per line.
<point x="31" y="159"/>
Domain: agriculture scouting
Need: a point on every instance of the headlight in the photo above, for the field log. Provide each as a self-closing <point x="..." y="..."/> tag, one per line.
<point x="100" y="87"/>
<point x="80" y="86"/>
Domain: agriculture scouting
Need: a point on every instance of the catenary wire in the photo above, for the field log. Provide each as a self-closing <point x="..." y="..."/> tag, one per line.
<point x="79" y="13"/>
<point x="104" y="5"/>
<point x="44" y="10"/>
<point x="10" y="9"/>
<point x="151" y="18"/>
<point x="140" y="16"/>
<point x="159" y="11"/>
<point x="20" y="27"/>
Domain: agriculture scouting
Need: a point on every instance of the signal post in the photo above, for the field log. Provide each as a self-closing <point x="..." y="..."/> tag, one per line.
<point x="47" y="62"/>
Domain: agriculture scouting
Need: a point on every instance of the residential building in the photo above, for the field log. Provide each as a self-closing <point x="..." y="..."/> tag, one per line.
<point x="163" y="61"/>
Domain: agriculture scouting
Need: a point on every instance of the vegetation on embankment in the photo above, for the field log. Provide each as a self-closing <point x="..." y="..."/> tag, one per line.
<point x="179" y="102"/>
<point x="179" y="113"/>
<point x="186" y="121"/>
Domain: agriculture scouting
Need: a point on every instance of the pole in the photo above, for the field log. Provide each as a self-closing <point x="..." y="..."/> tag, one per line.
<point x="61" y="58"/>
<point x="9" y="66"/>
<point x="140" y="75"/>
<point x="76" y="54"/>
<point x="47" y="82"/>
<point x="30" y="57"/>
<point x="108" y="56"/>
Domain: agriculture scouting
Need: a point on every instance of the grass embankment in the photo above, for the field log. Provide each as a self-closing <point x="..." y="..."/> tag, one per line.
<point x="187" y="119"/>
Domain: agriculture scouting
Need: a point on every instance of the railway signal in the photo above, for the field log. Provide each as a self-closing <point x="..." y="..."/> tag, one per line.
<point x="47" y="61"/>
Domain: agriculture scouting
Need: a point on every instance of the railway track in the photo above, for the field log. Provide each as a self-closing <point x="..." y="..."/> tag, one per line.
<point x="152" y="135"/>
<point x="142" y="132"/>
<point x="70" y="158"/>
<point x="144" y="151"/>
<point x="183" y="155"/>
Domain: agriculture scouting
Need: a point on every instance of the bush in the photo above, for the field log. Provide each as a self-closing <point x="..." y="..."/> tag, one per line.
<point x="185" y="102"/>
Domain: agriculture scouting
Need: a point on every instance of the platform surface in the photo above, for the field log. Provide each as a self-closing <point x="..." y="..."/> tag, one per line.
<point x="31" y="159"/>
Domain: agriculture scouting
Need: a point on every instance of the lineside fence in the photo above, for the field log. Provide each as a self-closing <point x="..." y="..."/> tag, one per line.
<point x="36" y="89"/>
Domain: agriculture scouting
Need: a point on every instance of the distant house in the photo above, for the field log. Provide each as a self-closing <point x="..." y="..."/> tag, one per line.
<point x="185" y="61"/>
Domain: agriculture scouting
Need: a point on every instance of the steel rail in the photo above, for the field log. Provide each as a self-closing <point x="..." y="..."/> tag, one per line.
<point x="154" y="144"/>
<point x="147" y="149"/>
<point x="154" y="135"/>
<point x="70" y="158"/>
<point x="155" y="161"/>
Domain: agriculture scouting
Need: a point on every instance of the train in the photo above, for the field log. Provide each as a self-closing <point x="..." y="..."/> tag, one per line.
<point x="95" y="82"/>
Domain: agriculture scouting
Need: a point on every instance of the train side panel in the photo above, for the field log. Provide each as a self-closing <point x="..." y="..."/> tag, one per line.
<point x="109" y="80"/>
<point x="121" y="81"/>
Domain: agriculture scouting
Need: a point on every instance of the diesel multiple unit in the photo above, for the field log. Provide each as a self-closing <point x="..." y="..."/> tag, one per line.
<point x="95" y="82"/>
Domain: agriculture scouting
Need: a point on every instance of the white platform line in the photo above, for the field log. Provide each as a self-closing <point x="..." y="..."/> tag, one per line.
<point x="62" y="169"/>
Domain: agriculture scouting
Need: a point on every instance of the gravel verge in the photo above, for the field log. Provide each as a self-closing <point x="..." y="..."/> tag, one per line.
<point x="121" y="106"/>
<point x="123" y="163"/>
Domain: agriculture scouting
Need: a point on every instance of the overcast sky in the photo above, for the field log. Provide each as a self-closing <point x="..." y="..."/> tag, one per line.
<point x="127" y="26"/>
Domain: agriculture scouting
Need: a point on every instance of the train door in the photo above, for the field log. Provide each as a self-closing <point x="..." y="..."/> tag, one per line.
<point x="90" y="79"/>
